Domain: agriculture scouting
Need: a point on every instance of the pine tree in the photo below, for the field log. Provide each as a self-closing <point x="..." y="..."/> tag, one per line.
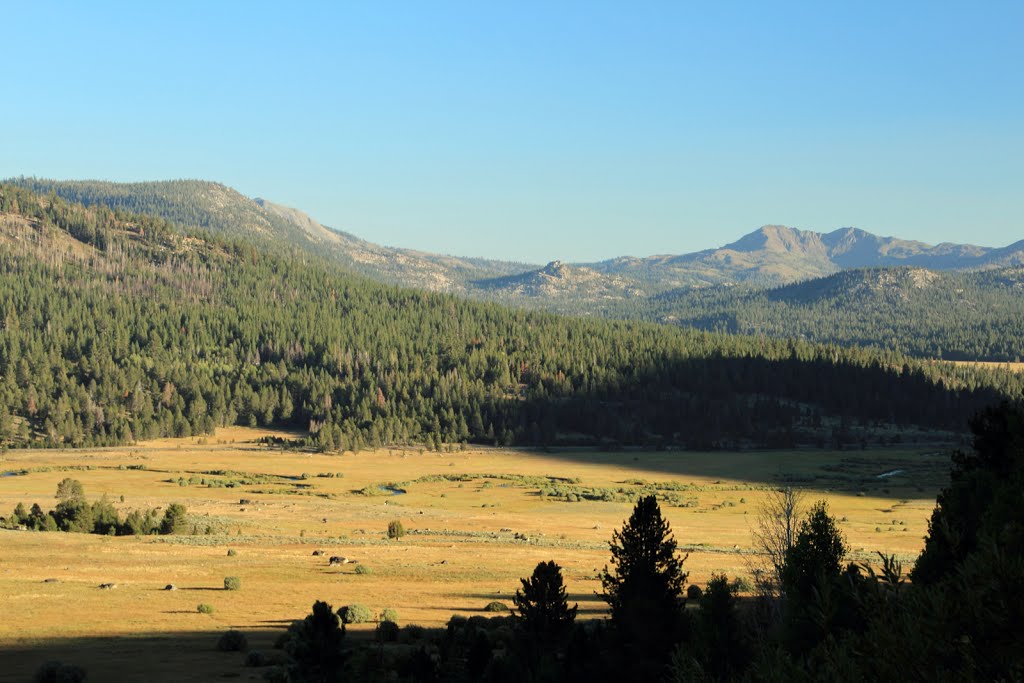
<point x="644" y="586"/>
<point x="543" y="603"/>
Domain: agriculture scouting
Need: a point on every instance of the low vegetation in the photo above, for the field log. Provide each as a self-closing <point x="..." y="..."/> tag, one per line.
<point x="233" y="641"/>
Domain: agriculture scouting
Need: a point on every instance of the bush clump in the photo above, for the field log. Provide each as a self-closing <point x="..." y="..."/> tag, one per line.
<point x="232" y="641"/>
<point x="255" y="658"/>
<point x="387" y="632"/>
<point x="232" y="583"/>
<point x="204" y="608"/>
<point x="363" y="569"/>
<point x="694" y="592"/>
<point x="496" y="606"/>
<point x="741" y="584"/>
<point x="232" y="552"/>
<point x="388" y="614"/>
<point x="412" y="633"/>
<point x="395" y="529"/>
<point x="59" y="672"/>
<point x="355" y="614"/>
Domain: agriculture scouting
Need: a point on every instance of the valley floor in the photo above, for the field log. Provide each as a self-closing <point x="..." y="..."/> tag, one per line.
<point x="478" y="520"/>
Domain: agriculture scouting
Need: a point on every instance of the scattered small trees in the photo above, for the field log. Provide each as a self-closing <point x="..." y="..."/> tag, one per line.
<point x="74" y="513"/>
<point x="543" y="602"/>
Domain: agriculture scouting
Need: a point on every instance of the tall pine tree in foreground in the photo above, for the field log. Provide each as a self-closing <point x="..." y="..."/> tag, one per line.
<point x="644" y="587"/>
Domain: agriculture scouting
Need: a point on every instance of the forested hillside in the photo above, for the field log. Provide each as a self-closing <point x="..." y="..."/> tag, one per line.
<point x="956" y="316"/>
<point x="119" y="327"/>
<point x="948" y="311"/>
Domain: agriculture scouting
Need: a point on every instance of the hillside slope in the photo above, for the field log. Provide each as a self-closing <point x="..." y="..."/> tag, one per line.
<point x="120" y="327"/>
<point x="659" y="288"/>
<point x="224" y="212"/>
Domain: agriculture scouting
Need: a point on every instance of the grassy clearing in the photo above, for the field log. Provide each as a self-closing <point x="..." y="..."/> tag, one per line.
<point x="476" y="521"/>
<point x="1012" y="367"/>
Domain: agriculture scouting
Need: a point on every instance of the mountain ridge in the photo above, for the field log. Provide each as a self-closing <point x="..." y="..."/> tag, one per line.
<point x="769" y="256"/>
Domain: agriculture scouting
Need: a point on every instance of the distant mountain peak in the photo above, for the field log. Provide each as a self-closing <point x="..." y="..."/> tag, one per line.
<point x="771" y="255"/>
<point x="778" y="239"/>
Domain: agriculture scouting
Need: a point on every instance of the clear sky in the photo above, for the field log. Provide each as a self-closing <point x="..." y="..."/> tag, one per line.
<point x="540" y="130"/>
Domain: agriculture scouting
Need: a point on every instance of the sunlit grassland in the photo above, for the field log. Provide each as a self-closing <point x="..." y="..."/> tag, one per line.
<point x="477" y="521"/>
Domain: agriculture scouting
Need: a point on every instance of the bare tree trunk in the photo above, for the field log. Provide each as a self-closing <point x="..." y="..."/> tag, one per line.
<point x="774" y="533"/>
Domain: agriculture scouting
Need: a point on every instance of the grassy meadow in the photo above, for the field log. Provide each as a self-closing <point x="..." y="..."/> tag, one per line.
<point x="477" y="521"/>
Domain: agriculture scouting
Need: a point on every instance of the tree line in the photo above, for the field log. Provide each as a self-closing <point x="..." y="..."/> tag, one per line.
<point x="74" y="513"/>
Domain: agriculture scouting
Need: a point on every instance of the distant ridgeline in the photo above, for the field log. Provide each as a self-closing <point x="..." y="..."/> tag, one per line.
<point x="957" y="302"/>
<point x="977" y="315"/>
<point x="119" y="327"/>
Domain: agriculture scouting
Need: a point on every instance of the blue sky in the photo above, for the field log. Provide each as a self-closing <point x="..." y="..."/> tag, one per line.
<point x="540" y="130"/>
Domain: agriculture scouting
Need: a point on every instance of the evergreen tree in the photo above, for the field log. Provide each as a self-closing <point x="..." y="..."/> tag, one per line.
<point x="644" y="586"/>
<point x="982" y="501"/>
<point x="816" y="555"/>
<point x="543" y="602"/>
<point x="314" y="647"/>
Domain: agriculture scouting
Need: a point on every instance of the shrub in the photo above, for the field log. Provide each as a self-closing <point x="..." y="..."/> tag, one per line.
<point x="204" y="608"/>
<point x="59" y="672"/>
<point x="694" y="592"/>
<point x="388" y="614"/>
<point x="495" y="606"/>
<point x="232" y="641"/>
<point x="395" y="529"/>
<point x="741" y="584"/>
<point x="363" y="569"/>
<point x="232" y="583"/>
<point x="355" y="614"/>
<point x="387" y="632"/>
<point x="282" y="639"/>
<point x="255" y="658"/>
<point x="232" y="552"/>
<point x="412" y="633"/>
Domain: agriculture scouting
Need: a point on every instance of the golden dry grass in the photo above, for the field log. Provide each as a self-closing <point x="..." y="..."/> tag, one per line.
<point x="456" y="560"/>
<point x="1012" y="367"/>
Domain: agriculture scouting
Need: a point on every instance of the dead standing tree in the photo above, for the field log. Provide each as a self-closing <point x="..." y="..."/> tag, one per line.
<point x="774" y="533"/>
